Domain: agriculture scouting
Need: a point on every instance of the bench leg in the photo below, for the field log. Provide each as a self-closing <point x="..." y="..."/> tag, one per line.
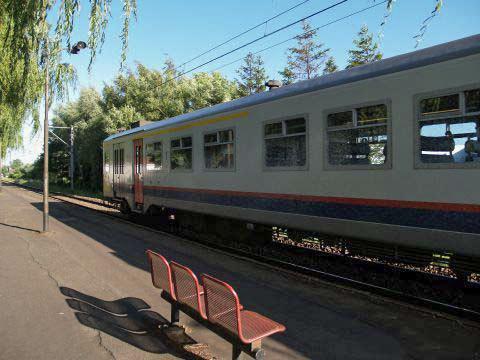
<point x="259" y="354"/>
<point x="236" y="352"/>
<point x="174" y="314"/>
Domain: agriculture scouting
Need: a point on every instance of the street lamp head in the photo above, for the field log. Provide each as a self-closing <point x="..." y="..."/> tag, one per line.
<point x="81" y="44"/>
<point x="77" y="47"/>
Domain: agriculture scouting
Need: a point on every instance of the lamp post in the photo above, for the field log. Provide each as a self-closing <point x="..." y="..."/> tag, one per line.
<point x="73" y="50"/>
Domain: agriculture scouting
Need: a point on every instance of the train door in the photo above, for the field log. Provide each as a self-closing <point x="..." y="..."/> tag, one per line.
<point x="138" y="170"/>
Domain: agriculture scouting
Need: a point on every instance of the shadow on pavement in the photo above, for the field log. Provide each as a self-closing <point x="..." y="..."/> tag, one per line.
<point x="127" y="319"/>
<point x="129" y="244"/>
<point x="19" y="227"/>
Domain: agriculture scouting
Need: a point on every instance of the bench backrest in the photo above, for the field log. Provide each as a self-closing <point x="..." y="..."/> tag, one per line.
<point x="161" y="273"/>
<point x="186" y="286"/>
<point x="221" y="304"/>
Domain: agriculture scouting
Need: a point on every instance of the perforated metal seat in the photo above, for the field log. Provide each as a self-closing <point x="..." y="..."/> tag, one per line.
<point x="223" y="308"/>
<point x="187" y="288"/>
<point x="161" y="273"/>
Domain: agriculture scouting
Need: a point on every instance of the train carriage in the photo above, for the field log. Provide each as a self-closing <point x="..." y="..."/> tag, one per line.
<point x="387" y="152"/>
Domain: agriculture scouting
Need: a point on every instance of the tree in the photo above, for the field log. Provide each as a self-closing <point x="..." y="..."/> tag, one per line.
<point x="366" y="50"/>
<point x="141" y="94"/>
<point x="17" y="169"/>
<point x="305" y="60"/>
<point x="205" y="90"/>
<point x="330" y="66"/>
<point x="252" y="75"/>
<point x="288" y="77"/>
<point x="28" y="32"/>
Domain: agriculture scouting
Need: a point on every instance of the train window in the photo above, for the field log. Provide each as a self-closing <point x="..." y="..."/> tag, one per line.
<point x="358" y="136"/>
<point x="118" y="161"/>
<point x="273" y="129"/>
<point x="115" y="161"/>
<point x="122" y="160"/>
<point x="219" y="150"/>
<point x="138" y="160"/>
<point x="286" y="143"/>
<point x="106" y="161"/>
<point x="181" y="153"/>
<point x="154" y="156"/>
<point x="472" y="101"/>
<point x="449" y="128"/>
<point x="344" y="118"/>
<point x="440" y="105"/>
<point x="369" y="115"/>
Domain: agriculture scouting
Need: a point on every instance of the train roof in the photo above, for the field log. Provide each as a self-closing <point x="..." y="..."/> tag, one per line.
<point x="435" y="54"/>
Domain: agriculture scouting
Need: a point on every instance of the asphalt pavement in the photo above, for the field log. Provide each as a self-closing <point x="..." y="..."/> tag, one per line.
<point x="83" y="291"/>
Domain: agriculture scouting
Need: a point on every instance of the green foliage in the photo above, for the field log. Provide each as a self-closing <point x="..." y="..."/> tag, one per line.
<point x="288" y="76"/>
<point x="16" y="170"/>
<point x="366" y="49"/>
<point x="306" y="59"/>
<point x="5" y="171"/>
<point x="251" y="75"/>
<point x="34" y="34"/>
<point x="141" y="94"/>
<point x="330" y="66"/>
<point x="204" y="90"/>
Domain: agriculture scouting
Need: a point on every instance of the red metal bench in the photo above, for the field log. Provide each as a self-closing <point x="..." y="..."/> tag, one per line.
<point x="223" y="308"/>
<point x="187" y="289"/>
<point x="221" y="312"/>
<point x="162" y="279"/>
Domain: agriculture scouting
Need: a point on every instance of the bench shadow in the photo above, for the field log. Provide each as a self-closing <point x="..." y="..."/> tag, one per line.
<point x="127" y="319"/>
<point x="117" y="236"/>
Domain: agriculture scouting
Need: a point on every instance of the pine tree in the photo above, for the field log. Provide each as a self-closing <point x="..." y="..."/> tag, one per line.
<point x="288" y="77"/>
<point x="305" y="60"/>
<point x="330" y="66"/>
<point x="252" y="75"/>
<point x="366" y="50"/>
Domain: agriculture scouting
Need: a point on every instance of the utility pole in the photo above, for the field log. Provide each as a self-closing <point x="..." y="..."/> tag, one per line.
<point x="45" y="147"/>
<point x="72" y="162"/>
<point x="74" y="50"/>
<point x="1" y="165"/>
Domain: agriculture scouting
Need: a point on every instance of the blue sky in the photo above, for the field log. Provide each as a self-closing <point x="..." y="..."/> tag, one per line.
<point x="182" y="29"/>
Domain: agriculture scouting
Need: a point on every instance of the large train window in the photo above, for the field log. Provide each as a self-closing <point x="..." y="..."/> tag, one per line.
<point x="219" y="150"/>
<point x="181" y="153"/>
<point x="286" y="143"/>
<point x="449" y="127"/>
<point x="358" y="136"/>
<point x="154" y="158"/>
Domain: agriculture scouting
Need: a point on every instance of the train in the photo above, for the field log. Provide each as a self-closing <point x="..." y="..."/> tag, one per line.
<point x="386" y="152"/>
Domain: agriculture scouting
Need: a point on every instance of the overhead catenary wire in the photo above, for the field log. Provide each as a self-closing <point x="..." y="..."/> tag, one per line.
<point x="265" y="22"/>
<point x="313" y="30"/>
<point x="257" y="39"/>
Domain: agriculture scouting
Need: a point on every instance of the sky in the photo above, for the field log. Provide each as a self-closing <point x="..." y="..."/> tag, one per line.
<point x="182" y="29"/>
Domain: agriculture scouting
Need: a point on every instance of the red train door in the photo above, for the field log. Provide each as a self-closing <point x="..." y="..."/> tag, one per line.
<point x="138" y="170"/>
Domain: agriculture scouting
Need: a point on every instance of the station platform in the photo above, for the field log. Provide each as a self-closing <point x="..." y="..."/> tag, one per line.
<point x="83" y="291"/>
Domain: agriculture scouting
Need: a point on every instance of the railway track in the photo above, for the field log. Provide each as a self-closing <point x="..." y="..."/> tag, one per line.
<point x="424" y="304"/>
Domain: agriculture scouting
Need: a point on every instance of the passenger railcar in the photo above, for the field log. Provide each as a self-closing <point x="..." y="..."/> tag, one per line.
<point x="387" y="152"/>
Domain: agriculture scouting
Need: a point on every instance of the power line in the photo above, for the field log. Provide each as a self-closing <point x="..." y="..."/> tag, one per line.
<point x="294" y="37"/>
<point x="243" y="33"/>
<point x="258" y="39"/>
